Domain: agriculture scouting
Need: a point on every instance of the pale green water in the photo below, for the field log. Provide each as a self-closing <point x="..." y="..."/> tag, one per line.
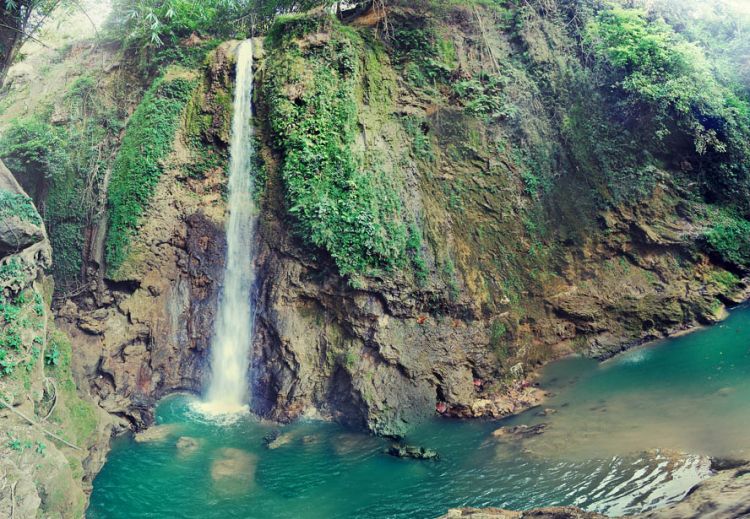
<point x="690" y="394"/>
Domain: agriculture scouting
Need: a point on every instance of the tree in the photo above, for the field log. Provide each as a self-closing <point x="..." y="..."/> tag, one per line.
<point x="19" y="21"/>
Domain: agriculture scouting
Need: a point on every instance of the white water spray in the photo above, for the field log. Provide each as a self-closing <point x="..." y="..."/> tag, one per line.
<point x="230" y="347"/>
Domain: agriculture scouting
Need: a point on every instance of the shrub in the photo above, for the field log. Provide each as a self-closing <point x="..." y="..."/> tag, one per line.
<point x="663" y="86"/>
<point x="729" y="237"/>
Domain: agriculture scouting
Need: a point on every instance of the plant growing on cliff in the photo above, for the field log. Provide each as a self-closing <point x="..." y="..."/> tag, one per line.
<point x="729" y="237"/>
<point x="18" y="205"/>
<point x="341" y="201"/>
<point x="138" y="167"/>
<point x="665" y="88"/>
<point x="62" y="166"/>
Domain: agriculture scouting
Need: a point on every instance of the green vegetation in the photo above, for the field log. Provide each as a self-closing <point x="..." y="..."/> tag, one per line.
<point x="419" y="51"/>
<point x="421" y="141"/>
<point x="341" y="200"/>
<point x="665" y="88"/>
<point x="62" y="167"/>
<point x="17" y="319"/>
<point x="484" y="96"/>
<point x="729" y="237"/>
<point x="136" y="171"/>
<point x="11" y="272"/>
<point x="20" y="206"/>
<point x="148" y="25"/>
<point x="498" y="341"/>
<point x="77" y="415"/>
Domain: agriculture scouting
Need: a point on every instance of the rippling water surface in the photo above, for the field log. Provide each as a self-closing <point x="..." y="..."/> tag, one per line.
<point x="623" y="436"/>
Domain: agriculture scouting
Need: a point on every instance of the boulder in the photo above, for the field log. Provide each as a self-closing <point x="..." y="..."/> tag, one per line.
<point x="20" y="223"/>
<point x="155" y="433"/>
<point x="399" y="450"/>
<point x="234" y="470"/>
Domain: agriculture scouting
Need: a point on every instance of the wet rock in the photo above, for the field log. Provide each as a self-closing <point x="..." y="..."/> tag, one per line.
<point x="414" y="452"/>
<point x="310" y="439"/>
<point x="519" y="432"/>
<point x="724" y="496"/>
<point x="719" y="464"/>
<point x="280" y="441"/>
<point x="155" y="433"/>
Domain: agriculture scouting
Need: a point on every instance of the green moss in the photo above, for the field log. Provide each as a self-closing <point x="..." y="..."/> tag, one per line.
<point x="498" y="342"/>
<point x="725" y="279"/>
<point x="414" y="251"/>
<point x="341" y="201"/>
<point x="290" y="27"/>
<point x="138" y="167"/>
<point x="421" y="140"/>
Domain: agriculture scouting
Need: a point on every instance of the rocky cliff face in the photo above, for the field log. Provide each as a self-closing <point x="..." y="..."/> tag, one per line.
<point x="507" y="247"/>
<point x="502" y="277"/>
<point x="54" y="438"/>
<point x="143" y="331"/>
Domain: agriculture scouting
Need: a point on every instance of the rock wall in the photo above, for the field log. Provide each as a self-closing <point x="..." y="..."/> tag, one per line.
<point x="54" y="438"/>
<point x="500" y="296"/>
<point x="505" y="275"/>
<point x="146" y="333"/>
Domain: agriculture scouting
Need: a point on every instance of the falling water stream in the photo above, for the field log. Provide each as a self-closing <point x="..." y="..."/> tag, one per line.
<point x="227" y="392"/>
<point x="621" y="437"/>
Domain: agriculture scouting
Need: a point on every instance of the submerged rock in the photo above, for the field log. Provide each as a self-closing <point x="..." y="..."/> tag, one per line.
<point x="411" y="452"/>
<point x="279" y="440"/>
<point x="155" y="433"/>
<point x="187" y="444"/>
<point x="519" y="432"/>
<point x="234" y="470"/>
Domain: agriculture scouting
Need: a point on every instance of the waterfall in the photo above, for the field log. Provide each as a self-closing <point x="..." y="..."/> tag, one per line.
<point x="233" y="331"/>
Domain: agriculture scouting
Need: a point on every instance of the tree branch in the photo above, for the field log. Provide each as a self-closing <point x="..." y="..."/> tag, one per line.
<point x="25" y="35"/>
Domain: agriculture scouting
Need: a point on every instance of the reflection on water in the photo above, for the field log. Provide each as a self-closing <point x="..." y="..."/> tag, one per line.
<point x="620" y="437"/>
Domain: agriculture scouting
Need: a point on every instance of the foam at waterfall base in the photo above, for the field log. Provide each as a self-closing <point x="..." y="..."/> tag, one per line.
<point x="220" y="412"/>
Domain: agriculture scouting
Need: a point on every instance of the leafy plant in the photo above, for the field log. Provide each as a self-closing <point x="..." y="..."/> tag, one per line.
<point x="665" y="88"/>
<point x="18" y="205"/>
<point x="729" y="237"/>
<point x="52" y="355"/>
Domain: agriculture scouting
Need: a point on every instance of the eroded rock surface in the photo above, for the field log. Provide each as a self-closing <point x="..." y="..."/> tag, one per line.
<point x="40" y="475"/>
